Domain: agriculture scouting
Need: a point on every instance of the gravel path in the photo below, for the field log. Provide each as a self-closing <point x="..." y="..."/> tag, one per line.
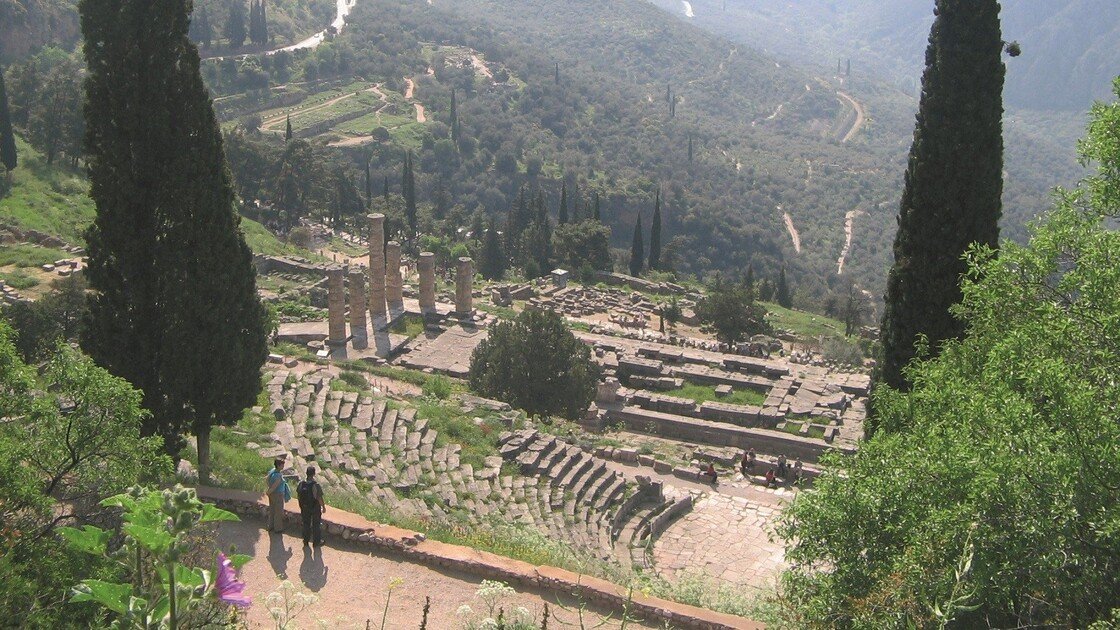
<point x="351" y="583"/>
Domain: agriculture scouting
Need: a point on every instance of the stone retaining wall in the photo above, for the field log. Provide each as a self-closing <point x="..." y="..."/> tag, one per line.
<point x="416" y="548"/>
<point x="714" y="433"/>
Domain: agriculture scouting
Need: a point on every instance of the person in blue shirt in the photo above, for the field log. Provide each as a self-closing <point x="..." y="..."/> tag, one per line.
<point x="278" y="493"/>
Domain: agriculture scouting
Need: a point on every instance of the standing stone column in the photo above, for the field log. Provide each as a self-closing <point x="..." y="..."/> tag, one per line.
<point x="427" y="268"/>
<point x="464" y="281"/>
<point x="377" y="271"/>
<point x="358" y="309"/>
<point x="393" y="283"/>
<point x="336" y="307"/>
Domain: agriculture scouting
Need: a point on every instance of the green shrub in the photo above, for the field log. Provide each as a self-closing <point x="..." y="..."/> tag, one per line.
<point x="438" y="387"/>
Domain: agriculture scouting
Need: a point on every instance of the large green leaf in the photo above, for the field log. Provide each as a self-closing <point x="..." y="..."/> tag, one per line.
<point x="239" y="560"/>
<point x="211" y="514"/>
<point x="154" y="540"/>
<point x="111" y="595"/>
<point x="90" y="539"/>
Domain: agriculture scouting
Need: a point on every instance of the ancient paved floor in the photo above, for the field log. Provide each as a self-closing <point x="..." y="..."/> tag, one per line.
<point x="725" y="538"/>
<point x="449" y="352"/>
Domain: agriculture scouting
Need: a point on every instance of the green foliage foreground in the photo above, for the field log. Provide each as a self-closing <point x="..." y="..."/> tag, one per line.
<point x="69" y="436"/>
<point x="989" y="495"/>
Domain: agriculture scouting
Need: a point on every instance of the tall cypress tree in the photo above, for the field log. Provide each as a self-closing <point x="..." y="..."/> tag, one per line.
<point x="454" y="118"/>
<point x="288" y="127"/>
<point x="749" y="280"/>
<point x="655" y="234"/>
<point x="205" y="31"/>
<point x="781" y="294"/>
<point x="173" y="304"/>
<point x="408" y="191"/>
<point x="235" y="26"/>
<point x="953" y="183"/>
<point x="369" y="186"/>
<point x="637" y="250"/>
<point x="493" y="264"/>
<point x="253" y="37"/>
<point x="263" y="16"/>
<point x="7" y="138"/>
<point x="562" y="214"/>
<point x="598" y="214"/>
<point x="690" y="148"/>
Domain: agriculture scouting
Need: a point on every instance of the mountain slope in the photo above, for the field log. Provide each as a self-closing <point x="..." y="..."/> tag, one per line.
<point x="1070" y="53"/>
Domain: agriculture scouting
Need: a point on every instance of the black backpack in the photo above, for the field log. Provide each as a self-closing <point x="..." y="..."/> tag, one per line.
<point x="305" y="493"/>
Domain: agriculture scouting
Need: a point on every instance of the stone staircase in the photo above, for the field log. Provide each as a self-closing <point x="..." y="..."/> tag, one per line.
<point x="604" y="512"/>
<point x="380" y="449"/>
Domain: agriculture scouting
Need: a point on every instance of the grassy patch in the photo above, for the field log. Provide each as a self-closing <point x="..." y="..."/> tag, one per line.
<point x="50" y="199"/>
<point x="28" y="255"/>
<point x="261" y="241"/>
<point x="501" y="312"/>
<point x="478" y="441"/>
<point x="19" y="280"/>
<point x="802" y="324"/>
<point x="705" y="393"/>
<point x="411" y="326"/>
<point x="794" y="428"/>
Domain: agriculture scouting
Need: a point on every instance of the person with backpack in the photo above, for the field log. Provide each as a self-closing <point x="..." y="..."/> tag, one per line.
<point x="278" y="494"/>
<point x="311" y="508"/>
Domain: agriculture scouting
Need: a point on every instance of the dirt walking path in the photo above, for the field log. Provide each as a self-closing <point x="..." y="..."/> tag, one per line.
<point x="793" y="235"/>
<point x="351" y="583"/>
<point x="861" y="116"/>
<point x="849" y="219"/>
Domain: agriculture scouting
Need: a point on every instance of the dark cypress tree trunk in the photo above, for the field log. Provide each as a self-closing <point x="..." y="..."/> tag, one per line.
<point x="173" y="307"/>
<point x="637" y="250"/>
<point x="655" y="234"/>
<point x="7" y="139"/>
<point x="953" y="183"/>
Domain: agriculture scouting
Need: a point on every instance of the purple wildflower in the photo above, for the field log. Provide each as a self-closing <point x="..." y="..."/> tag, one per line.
<point x="228" y="587"/>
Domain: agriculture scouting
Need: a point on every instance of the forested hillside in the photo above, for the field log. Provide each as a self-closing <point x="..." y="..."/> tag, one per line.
<point x="887" y="39"/>
<point x="27" y="25"/>
<point x="759" y="163"/>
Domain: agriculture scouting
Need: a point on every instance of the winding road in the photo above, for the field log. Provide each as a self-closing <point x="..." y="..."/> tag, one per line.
<point x="794" y="236"/>
<point x="849" y="219"/>
<point x="343" y="10"/>
<point x="861" y="115"/>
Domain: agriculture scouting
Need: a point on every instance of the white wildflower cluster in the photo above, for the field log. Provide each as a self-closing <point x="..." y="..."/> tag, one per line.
<point x="496" y="598"/>
<point x="287" y="603"/>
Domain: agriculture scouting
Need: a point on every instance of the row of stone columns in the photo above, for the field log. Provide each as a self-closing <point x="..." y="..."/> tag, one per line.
<point x="386" y="289"/>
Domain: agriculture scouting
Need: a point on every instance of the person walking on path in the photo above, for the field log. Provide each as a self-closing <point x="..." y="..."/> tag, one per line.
<point x="311" y="508"/>
<point x="278" y="493"/>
